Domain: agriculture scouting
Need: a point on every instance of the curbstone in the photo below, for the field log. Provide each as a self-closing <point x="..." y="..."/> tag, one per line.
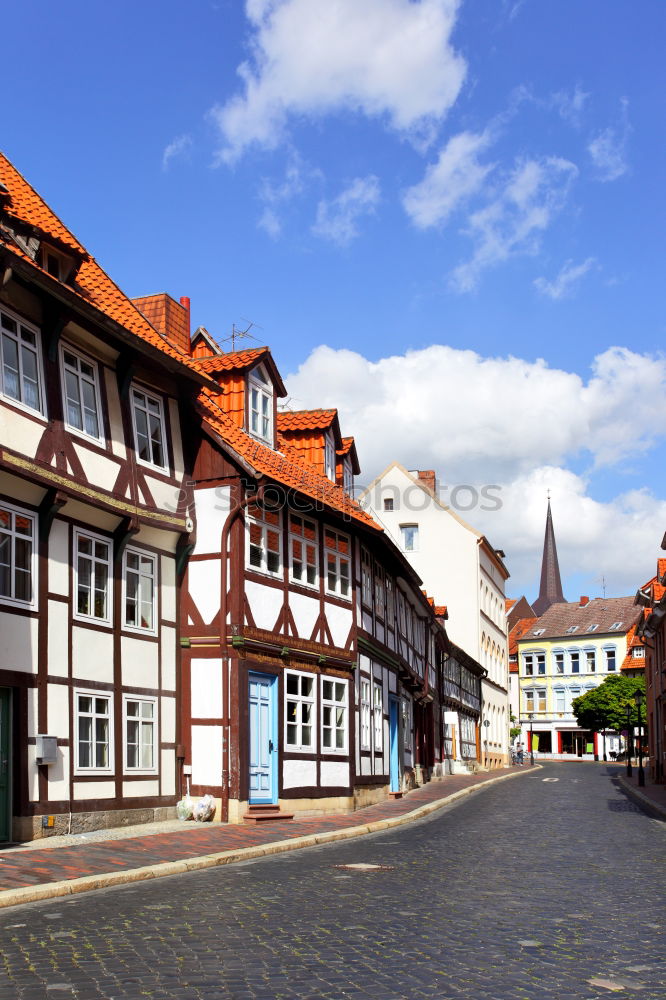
<point x="655" y="809"/>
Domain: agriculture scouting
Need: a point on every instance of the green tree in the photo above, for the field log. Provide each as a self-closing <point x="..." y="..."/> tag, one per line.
<point x="605" y="707"/>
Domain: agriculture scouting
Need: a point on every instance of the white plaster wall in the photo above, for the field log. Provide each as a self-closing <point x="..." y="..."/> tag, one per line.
<point x="89" y="515"/>
<point x="20" y="490"/>
<point x="141" y="788"/>
<point x="206" y="681"/>
<point x="94" y="790"/>
<point x="58" y="639"/>
<point x="157" y="538"/>
<point x="339" y="622"/>
<point x="299" y="774"/>
<point x="212" y="507"/>
<point x="305" y="611"/>
<point x="57" y="712"/>
<point x="168" y="772"/>
<point x="166" y="496"/>
<point x="168" y="720"/>
<point x="59" y="558"/>
<point x="207" y="755"/>
<point x="100" y="470"/>
<point x="19" y="643"/>
<point x="21" y="433"/>
<point x="265" y="603"/>
<point x="139" y="659"/>
<point x="334" y="773"/>
<point x="168" y="588"/>
<point x="58" y="777"/>
<point x="204" y="586"/>
<point x="168" y="654"/>
<point x="115" y="416"/>
<point x="33" y="775"/>
<point x="92" y="654"/>
<point x="31" y="696"/>
<point x="366" y="766"/>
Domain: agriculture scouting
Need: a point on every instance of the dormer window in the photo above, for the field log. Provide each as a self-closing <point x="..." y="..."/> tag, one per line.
<point x="329" y="456"/>
<point x="615" y="626"/>
<point x="261" y="405"/>
<point x="572" y="628"/>
<point x="592" y="628"/>
<point x="55" y="263"/>
<point x="347" y="477"/>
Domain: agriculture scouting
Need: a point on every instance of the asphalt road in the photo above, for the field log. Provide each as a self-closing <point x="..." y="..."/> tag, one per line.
<point x="547" y="886"/>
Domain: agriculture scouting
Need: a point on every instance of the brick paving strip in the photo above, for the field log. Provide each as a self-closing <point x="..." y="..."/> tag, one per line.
<point x="34" y="873"/>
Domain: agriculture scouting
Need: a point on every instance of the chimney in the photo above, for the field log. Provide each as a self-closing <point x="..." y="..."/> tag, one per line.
<point x="584" y="601"/>
<point x="170" y="318"/>
<point x="427" y="477"/>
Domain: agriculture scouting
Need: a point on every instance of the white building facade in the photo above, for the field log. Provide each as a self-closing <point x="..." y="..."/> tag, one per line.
<point x="461" y="570"/>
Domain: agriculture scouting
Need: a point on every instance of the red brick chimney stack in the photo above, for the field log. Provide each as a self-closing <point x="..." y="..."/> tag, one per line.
<point x="584" y="601"/>
<point x="170" y="318"/>
<point x="428" y="478"/>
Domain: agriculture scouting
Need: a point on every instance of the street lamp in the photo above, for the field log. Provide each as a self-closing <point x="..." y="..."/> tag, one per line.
<point x="629" y="741"/>
<point x="530" y="716"/>
<point x="639" y="698"/>
<point x="486" y="723"/>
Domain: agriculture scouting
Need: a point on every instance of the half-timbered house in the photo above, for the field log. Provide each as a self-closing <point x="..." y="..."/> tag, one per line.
<point x="91" y="528"/>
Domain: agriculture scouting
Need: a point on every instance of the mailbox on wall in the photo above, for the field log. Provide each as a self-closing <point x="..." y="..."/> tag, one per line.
<point x="46" y="749"/>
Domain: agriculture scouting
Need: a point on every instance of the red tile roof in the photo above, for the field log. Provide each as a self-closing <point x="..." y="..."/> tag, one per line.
<point x="601" y="611"/>
<point x="233" y="361"/>
<point x="282" y="468"/>
<point x="305" y="420"/>
<point x="522" y="626"/>
<point x="92" y="283"/>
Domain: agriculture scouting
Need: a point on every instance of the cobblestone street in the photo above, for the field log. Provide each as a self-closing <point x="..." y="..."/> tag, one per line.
<point x="546" y="887"/>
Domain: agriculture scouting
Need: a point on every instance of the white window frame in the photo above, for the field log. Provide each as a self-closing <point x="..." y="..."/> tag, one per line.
<point x="366" y="578"/>
<point x="610" y="652"/>
<point x="11" y="598"/>
<point x="81" y="378"/>
<point x="347" y="476"/>
<point x="151" y="723"/>
<point x="335" y="706"/>
<point x="558" y="661"/>
<point x="95" y="538"/>
<point x="150" y="397"/>
<point x="299" y="700"/>
<point x="576" y="653"/>
<point x="260" y="417"/>
<point x="329" y="456"/>
<point x="638" y="653"/>
<point x="256" y="517"/>
<point x="541" y="699"/>
<point x="365" y="710"/>
<point x="528" y="664"/>
<point x="409" y="542"/>
<point x="17" y="336"/>
<point x="590" y="661"/>
<point x="142" y="554"/>
<point x="529" y="701"/>
<point x="560" y="700"/>
<point x="80" y="769"/>
<point x="296" y="539"/>
<point x="378" y="715"/>
<point x="338" y="558"/>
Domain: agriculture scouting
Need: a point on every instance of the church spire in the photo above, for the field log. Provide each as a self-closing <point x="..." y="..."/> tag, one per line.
<point x="550" y="589"/>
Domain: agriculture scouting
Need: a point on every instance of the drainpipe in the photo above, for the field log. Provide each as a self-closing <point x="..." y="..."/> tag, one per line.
<point x="226" y="724"/>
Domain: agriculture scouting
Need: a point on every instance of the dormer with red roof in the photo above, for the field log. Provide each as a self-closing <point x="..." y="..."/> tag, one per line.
<point x="347" y="465"/>
<point x="249" y="388"/>
<point x="315" y="436"/>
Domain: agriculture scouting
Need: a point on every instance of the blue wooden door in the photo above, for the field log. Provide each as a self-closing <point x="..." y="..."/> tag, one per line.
<point x="263" y="739"/>
<point x="394" y="758"/>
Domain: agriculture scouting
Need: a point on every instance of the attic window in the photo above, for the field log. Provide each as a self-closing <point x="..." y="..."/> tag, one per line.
<point x="592" y="628"/>
<point x="638" y="652"/>
<point x="329" y="456"/>
<point x="260" y="406"/>
<point x="615" y="626"/>
<point x="572" y="628"/>
<point x="348" y="477"/>
<point x="55" y="264"/>
<point x="539" y="631"/>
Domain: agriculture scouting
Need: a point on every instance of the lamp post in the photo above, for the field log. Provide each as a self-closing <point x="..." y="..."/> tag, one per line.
<point x="638" y="698"/>
<point x="530" y="716"/>
<point x="603" y="733"/>
<point x="486" y="724"/>
<point x="628" y="741"/>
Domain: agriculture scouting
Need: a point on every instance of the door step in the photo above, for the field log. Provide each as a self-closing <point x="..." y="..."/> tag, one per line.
<point x="265" y="814"/>
<point x="395" y="795"/>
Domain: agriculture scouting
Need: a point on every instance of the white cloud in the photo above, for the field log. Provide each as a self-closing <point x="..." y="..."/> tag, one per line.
<point x="275" y="195"/>
<point x="179" y="147"/>
<point x="608" y="148"/>
<point x="514" y="220"/>
<point x="447" y="184"/>
<point x="391" y="59"/>
<point x="518" y="424"/>
<point x="571" y="105"/>
<point x="569" y="274"/>
<point x="337" y="220"/>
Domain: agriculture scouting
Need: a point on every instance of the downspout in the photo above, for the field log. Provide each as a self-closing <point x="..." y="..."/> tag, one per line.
<point x="226" y="724"/>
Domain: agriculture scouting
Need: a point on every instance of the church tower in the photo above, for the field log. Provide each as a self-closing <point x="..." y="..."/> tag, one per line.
<point x="550" y="589"/>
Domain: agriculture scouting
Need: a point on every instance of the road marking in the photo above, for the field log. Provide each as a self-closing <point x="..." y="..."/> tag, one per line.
<point x="550" y="779"/>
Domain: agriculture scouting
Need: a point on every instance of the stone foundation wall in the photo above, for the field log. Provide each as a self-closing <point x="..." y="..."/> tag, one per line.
<point x="31" y="827"/>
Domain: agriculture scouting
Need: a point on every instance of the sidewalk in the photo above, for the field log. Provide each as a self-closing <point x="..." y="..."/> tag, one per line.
<point x="651" y="797"/>
<point x="40" y="871"/>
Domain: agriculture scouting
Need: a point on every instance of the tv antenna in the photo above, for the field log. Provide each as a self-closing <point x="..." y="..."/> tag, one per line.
<point x="237" y="334"/>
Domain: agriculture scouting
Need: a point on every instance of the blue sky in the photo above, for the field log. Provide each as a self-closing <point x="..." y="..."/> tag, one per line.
<point x="414" y="203"/>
